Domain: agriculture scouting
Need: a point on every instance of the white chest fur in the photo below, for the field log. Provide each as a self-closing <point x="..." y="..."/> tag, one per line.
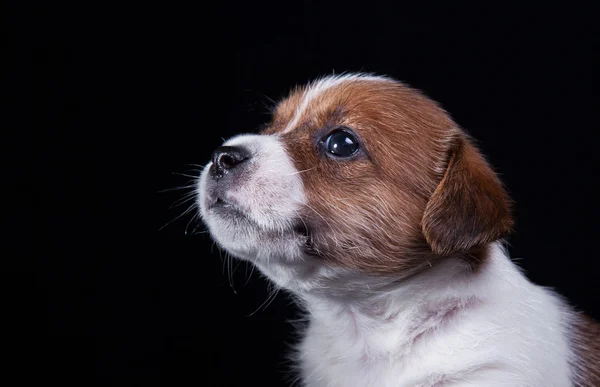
<point x="441" y="328"/>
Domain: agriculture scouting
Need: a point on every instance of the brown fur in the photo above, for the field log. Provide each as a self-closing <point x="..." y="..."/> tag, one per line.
<point x="586" y="345"/>
<point x="420" y="192"/>
<point x="469" y="207"/>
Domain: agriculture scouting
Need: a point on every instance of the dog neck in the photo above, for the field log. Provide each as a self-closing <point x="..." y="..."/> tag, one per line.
<point x="443" y="315"/>
<point x="410" y="309"/>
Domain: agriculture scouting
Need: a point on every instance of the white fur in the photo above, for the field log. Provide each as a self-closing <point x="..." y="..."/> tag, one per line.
<point x="274" y="192"/>
<point x="317" y="87"/>
<point x="270" y="196"/>
<point x="509" y="332"/>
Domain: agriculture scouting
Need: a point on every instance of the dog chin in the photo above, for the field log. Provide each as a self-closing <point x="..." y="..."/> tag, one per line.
<point x="243" y="239"/>
<point x="236" y="232"/>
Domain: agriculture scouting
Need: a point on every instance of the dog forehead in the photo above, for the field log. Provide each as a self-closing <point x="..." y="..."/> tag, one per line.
<point x="323" y="98"/>
<point x="361" y="100"/>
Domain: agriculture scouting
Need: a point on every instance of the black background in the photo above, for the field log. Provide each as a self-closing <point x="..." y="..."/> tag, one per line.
<point x="109" y="100"/>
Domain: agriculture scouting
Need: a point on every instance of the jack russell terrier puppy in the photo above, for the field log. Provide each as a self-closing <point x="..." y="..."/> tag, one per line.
<point x="377" y="212"/>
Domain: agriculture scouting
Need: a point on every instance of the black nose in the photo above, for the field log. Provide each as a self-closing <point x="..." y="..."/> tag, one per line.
<point x="226" y="158"/>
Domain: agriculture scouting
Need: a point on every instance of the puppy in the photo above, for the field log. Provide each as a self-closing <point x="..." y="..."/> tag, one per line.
<point x="366" y="201"/>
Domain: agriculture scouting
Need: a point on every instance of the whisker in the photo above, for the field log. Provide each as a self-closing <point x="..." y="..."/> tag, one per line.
<point x="269" y="98"/>
<point x="198" y="225"/>
<point x="193" y="206"/>
<point x="182" y="200"/>
<point x="251" y="272"/>
<point x="270" y="298"/>
<point x="229" y="259"/>
<point x="186" y="175"/>
<point x="177" y="188"/>
<point x="299" y="172"/>
<point x="185" y="232"/>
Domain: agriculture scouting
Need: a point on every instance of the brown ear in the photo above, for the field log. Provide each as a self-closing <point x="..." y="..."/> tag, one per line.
<point x="469" y="207"/>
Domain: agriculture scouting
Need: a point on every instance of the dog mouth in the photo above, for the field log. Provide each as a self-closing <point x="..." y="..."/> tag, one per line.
<point x="227" y="209"/>
<point x="220" y="203"/>
<point x="224" y="207"/>
<point x="302" y="230"/>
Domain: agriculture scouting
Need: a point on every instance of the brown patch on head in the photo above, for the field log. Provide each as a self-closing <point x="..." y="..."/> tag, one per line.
<point x="414" y="193"/>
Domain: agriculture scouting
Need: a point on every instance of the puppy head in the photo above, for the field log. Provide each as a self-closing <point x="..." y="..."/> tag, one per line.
<point x="357" y="174"/>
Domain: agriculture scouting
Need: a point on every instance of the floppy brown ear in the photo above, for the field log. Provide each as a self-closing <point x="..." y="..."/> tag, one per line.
<point x="469" y="207"/>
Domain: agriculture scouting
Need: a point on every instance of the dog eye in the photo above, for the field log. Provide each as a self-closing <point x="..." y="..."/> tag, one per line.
<point x="341" y="143"/>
